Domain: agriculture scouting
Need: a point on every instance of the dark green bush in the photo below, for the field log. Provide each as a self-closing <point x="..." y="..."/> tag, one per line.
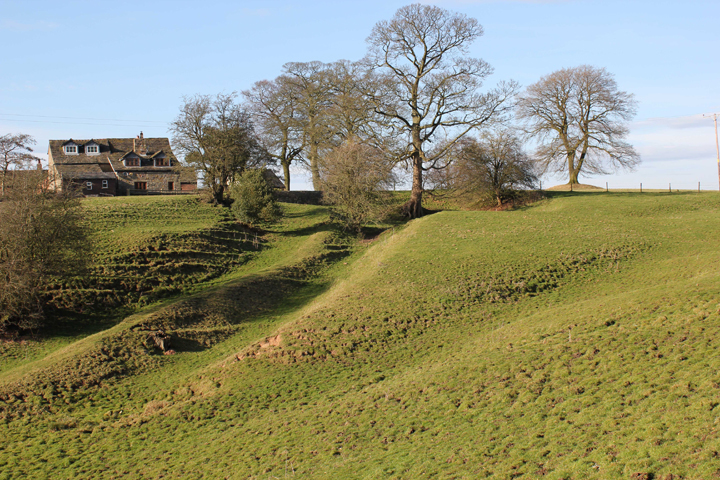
<point x="253" y="200"/>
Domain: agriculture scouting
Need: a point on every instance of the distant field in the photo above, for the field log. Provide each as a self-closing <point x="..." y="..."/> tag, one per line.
<point x="575" y="338"/>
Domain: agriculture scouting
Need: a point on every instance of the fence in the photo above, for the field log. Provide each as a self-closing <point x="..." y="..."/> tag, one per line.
<point x="670" y="187"/>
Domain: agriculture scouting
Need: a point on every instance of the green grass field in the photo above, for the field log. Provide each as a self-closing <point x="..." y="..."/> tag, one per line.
<point x="575" y="338"/>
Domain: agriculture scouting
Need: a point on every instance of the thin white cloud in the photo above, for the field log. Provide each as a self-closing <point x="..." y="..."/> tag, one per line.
<point x="675" y="123"/>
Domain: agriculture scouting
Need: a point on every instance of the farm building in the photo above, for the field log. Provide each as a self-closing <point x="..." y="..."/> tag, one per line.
<point x="117" y="166"/>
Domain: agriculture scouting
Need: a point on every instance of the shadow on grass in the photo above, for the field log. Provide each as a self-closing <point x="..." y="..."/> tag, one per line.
<point x="211" y="316"/>
<point x="306" y="213"/>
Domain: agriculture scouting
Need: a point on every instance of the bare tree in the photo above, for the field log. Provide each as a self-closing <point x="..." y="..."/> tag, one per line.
<point x="431" y="88"/>
<point x="581" y="119"/>
<point x="15" y="152"/>
<point x="312" y="93"/>
<point x="217" y="138"/>
<point x="494" y="165"/>
<point x="275" y="106"/>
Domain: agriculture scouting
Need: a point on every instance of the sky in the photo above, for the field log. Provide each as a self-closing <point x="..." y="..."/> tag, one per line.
<point x="98" y="69"/>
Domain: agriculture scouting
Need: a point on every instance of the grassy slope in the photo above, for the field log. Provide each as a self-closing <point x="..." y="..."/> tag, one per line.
<point x="574" y="339"/>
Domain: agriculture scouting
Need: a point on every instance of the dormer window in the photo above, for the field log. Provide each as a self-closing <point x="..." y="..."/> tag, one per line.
<point x="92" y="149"/>
<point x="71" y="150"/>
<point x="132" y="162"/>
<point x="162" y="162"/>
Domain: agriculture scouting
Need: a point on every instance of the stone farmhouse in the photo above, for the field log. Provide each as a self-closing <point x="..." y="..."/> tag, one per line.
<point x="117" y="166"/>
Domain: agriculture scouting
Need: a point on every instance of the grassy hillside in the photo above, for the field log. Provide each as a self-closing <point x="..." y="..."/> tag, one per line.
<point x="573" y="339"/>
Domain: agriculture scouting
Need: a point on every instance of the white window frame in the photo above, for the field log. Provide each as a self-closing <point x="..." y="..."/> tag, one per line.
<point x="105" y="184"/>
<point x="71" y="149"/>
<point x="88" y="185"/>
<point x="92" y="149"/>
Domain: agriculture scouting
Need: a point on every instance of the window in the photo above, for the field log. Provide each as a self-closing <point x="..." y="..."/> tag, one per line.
<point x="162" y="162"/>
<point x="91" y="149"/>
<point x="71" y="149"/>
<point x="105" y="184"/>
<point x="88" y="185"/>
<point x="140" y="185"/>
<point x="132" y="162"/>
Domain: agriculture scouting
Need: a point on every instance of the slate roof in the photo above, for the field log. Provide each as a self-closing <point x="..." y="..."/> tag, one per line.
<point x="113" y="150"/>
<point x="84" y="172"/>
<point x="272" y="178"/>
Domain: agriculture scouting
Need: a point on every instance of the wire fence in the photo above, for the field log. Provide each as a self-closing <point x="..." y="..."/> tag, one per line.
<point x="670" y="187"/>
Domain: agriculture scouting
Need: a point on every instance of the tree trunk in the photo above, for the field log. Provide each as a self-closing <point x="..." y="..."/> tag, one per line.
<point x="573" y="171"/>
<point x="218" y="193"/>
<point x="413" y="208"/>
<point x="286" y="173"/>
<point x="574" y="177"/>
<point x="314" y="166"/>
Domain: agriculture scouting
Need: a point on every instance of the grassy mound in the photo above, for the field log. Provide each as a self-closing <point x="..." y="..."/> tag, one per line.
<point x="572" y="339"/>
<point x="581" y="187"/>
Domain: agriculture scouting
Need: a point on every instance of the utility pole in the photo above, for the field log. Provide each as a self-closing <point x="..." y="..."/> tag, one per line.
<point x="717" y="145"/>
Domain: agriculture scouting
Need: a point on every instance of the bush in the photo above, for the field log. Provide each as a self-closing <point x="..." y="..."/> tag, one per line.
<point x="494" y="169"/>
<point x="355" y="179"/>
<point x="253" y="199"/>
<point x="42" y="240"/>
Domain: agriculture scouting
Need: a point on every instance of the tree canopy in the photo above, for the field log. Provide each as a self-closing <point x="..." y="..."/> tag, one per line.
<point x="580" y="117"/>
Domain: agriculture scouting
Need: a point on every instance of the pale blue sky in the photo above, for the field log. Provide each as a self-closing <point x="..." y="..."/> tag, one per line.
<point x="116" y="68"/>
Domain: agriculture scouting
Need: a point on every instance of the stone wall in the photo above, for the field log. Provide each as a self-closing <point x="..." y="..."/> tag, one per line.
<point x="307" y="197"/>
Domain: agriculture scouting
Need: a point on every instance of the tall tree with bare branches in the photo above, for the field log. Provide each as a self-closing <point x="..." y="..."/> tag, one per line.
<point x="580" y="118"/>
<point x="431" y="92"/>
<point x="312" y="94"/>
<point x="276" y="108"/>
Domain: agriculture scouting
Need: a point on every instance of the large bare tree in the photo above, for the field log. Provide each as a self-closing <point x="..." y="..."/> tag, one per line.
<point x="217" y="138"/>
<point x="431" y="87"/>
<point x="15" y="152"/>
<point x="580" y="118"/>
<point x="275" y="106"/>
<point x="312" y="92"/>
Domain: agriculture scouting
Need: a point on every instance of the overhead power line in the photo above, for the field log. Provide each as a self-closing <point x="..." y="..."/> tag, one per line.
<point x="99" y="122"/>
<point x="135" y="124"/>
<point x="82" y="118"/>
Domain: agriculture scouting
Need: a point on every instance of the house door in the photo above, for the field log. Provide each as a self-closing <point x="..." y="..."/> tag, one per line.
<point x="171" y="186"/>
